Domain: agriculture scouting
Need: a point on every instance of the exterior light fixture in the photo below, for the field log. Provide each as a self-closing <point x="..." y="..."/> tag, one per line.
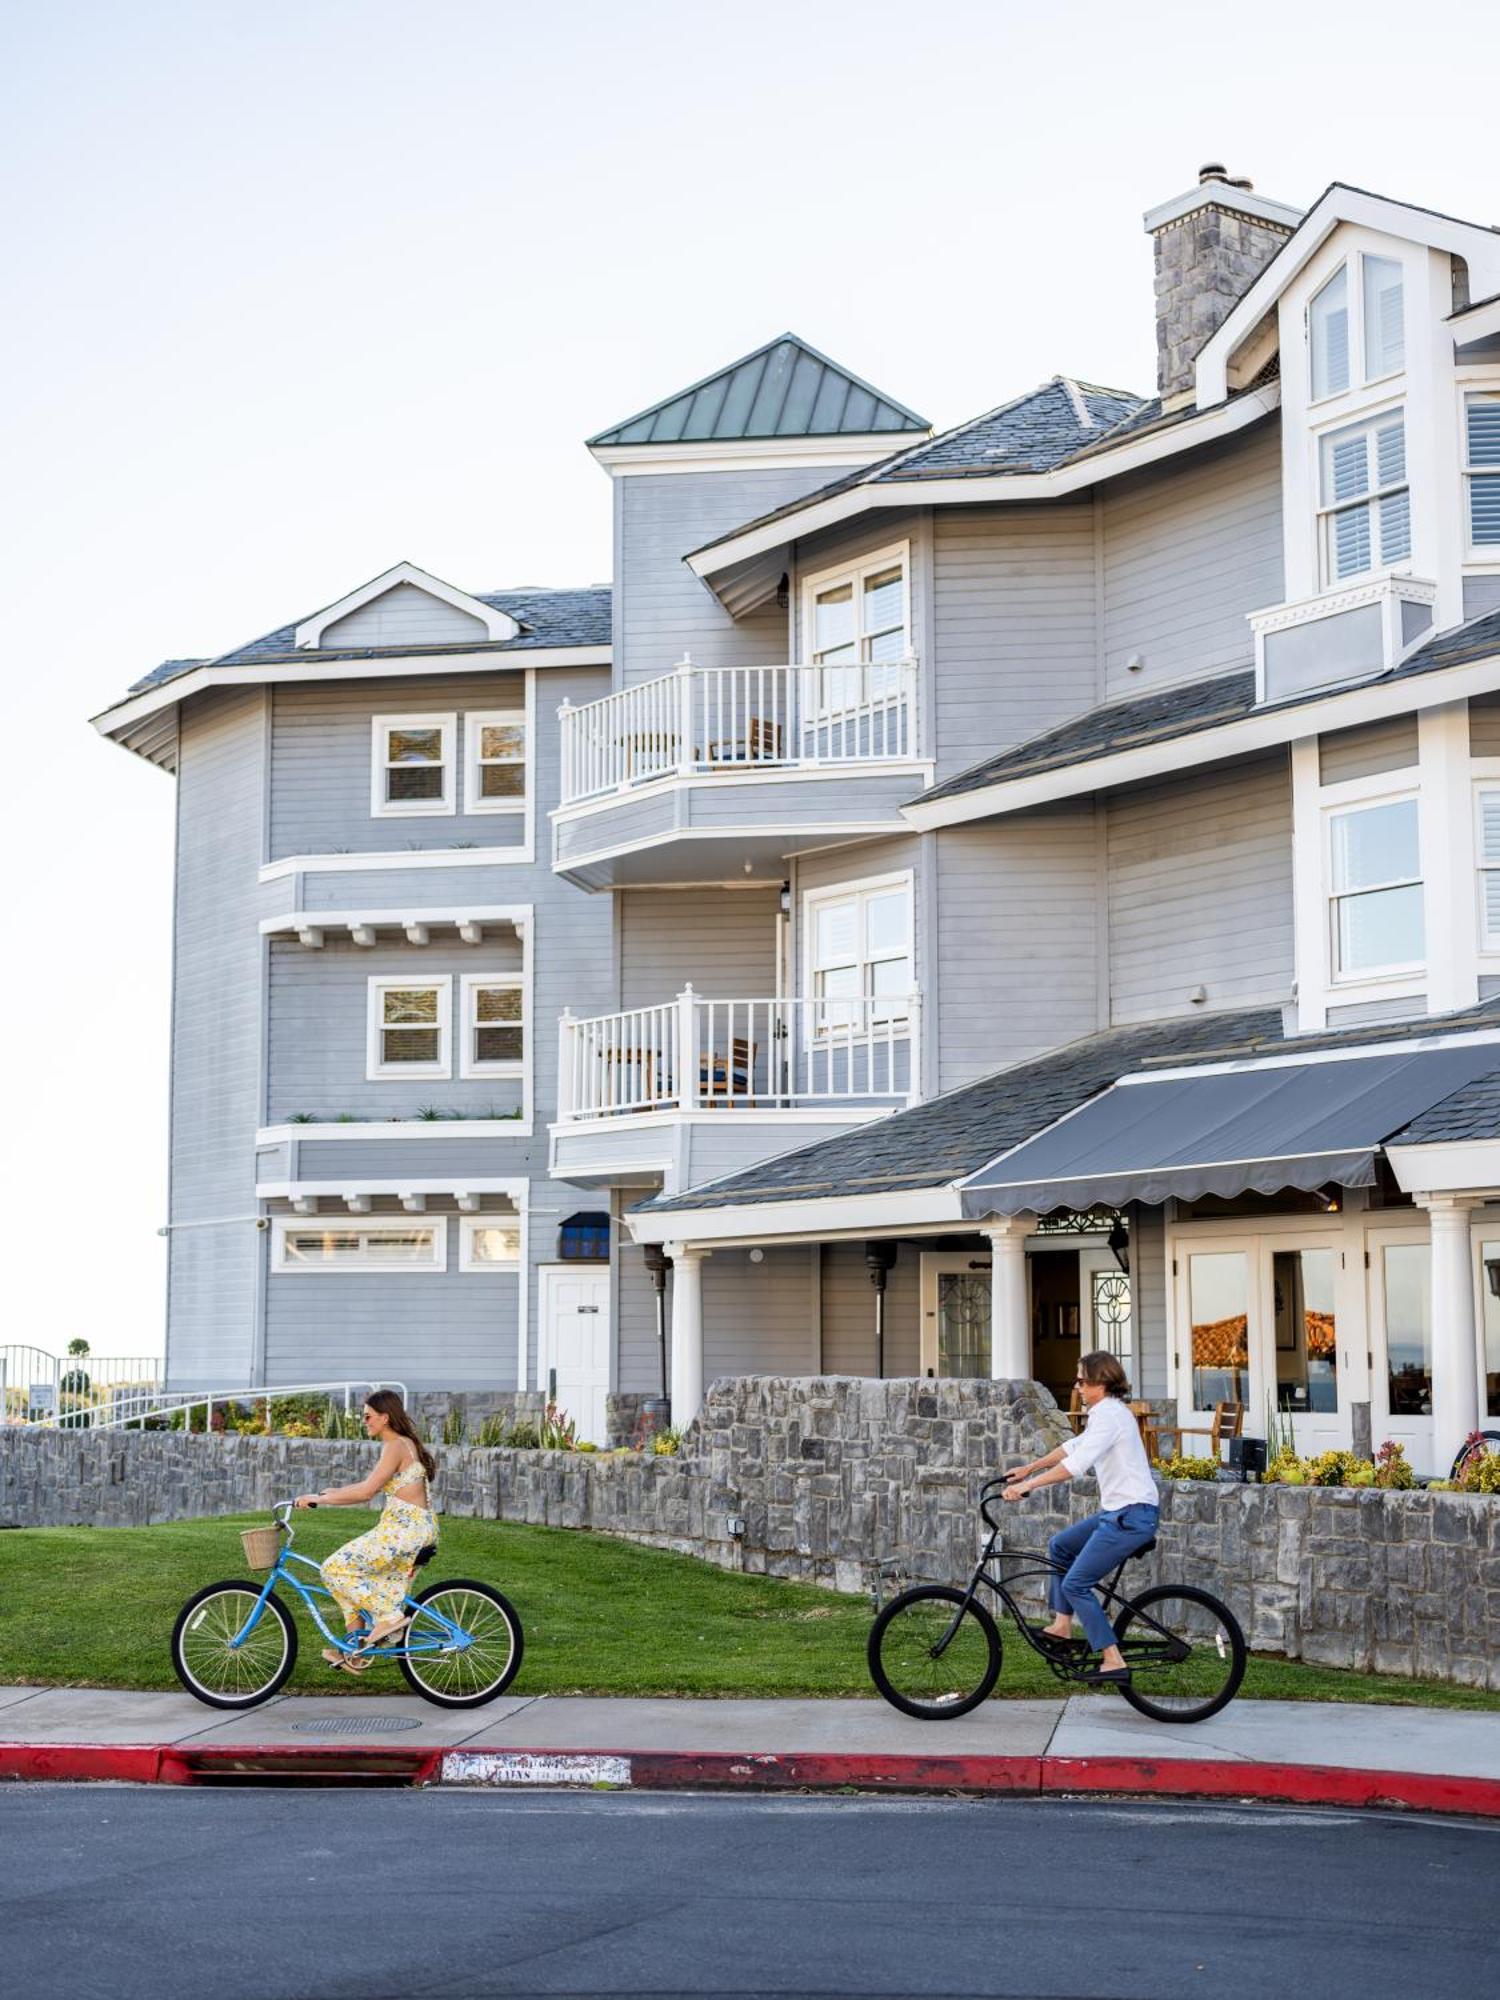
<point x="1118" y="1242"/>
<point x="1492" y="1273"/>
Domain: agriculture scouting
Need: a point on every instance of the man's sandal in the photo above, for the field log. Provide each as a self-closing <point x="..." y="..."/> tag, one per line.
<point x="1107" y="1677"/>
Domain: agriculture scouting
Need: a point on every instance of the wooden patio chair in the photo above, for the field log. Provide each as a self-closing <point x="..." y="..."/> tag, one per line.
<point x="1228" y="1422"/>
<point x="759" y="744"/>
<point x="723" y="1077"/>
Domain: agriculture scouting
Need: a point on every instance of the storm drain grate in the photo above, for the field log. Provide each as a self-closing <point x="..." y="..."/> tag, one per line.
<point x="355" y="1725"/>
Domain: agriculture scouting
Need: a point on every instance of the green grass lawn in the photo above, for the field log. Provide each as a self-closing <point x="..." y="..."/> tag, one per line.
<point x="94" y="1607"/>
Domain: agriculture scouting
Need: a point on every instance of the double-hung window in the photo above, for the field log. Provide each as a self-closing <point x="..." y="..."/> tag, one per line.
<point x="409" y="1243"/>
<point x="1487" y="844"/>
<point x="495" y="778"/>
<point x="409" y="1025"/>
<point x="858" y="630"/>
<point x="861" y="956"/>
<point x="494" y="1025"/>
<point x="1366" y="503"/>
<point x="1482" y="468"/>
<point x="1375" y="890"/>
<point x="412" y="765"/>
<point x="1382" y="327"/>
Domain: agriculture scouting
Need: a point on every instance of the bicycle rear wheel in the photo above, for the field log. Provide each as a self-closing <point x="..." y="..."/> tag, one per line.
<point x="208" y="1662"/>
<point x="467" y="1675"/>
<point x="932" y="1655"/>
<point x="1185" y="1652"/>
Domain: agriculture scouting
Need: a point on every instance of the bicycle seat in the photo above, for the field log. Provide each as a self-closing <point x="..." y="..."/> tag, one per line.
<point x="1144" y="1550"/>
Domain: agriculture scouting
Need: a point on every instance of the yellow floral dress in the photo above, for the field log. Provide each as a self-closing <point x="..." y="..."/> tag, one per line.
<point x="372" y="1572"/>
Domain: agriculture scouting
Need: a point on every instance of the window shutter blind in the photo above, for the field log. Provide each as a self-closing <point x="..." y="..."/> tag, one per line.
<point x="1395" y="527"/>
<point x="1390" y="454"/>
<point x="1483" y="418"/>
<point x="1348" y="468"/>
<point x="1489" y="829"/>
<point x="1385" y="332"/>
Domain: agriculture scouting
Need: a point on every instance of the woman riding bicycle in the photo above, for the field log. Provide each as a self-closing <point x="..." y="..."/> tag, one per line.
<point x="370" y="1574"/>
<point x="1109" y="1446"/>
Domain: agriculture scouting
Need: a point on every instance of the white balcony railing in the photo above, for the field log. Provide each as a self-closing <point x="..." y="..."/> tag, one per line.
<point x="721" y="719"/>
<point x="692" y="1054"/>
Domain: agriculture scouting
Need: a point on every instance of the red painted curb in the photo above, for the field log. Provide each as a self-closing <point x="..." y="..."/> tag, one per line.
<point x="679" y="1770"/>
<point x="1293" y="1784"/>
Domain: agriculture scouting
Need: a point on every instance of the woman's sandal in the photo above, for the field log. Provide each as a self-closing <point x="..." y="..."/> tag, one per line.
<point x="1051" y="1642"/>
<point x="1107" y="1677"/>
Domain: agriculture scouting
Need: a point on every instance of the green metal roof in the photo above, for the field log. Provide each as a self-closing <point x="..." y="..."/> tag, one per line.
<point x="784" y="389"/>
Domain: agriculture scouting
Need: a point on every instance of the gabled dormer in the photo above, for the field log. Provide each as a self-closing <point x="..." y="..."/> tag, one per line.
<point x="1390" y="402"/>
<point x="405" y="606"/>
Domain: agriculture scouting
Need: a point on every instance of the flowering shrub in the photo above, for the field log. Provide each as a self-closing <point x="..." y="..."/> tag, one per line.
<point x="665" y="1443"/>
<point x="1184" y="1466"/>
<point x="1341" y="1468"/>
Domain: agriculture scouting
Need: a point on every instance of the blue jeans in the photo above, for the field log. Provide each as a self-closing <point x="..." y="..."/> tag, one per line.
<point x="1091" y="1549"/>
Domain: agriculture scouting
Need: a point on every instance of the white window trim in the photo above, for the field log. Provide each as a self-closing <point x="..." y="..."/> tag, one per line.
<point x="1358" y="801"/>
<point x="838" y="892"/>
<point x="439" y="1072"/>
<point x="853" y="573"/>
<point x="1476" y="554"/>
<point x="1367" y="420"/>
<point x="475" y="720"/>
<point x="467" y="1261"/>
<point x="1368" y="379"/>
<point x="468" y="1064"/>
<point x="383" y="808"/>
<point x="363" y="1226"/>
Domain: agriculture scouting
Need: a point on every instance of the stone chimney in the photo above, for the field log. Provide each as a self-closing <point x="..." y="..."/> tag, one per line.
<point x="1211" y="244"/>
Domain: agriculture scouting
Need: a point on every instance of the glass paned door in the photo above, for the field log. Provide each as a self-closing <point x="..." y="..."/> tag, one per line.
<point x="1218" y="1329"/>
<point x="1306" y="1330"/>
<point x="955" y="1314"/>
<point x="1489" y="1307"/>
<point x="1401" y="1345"/>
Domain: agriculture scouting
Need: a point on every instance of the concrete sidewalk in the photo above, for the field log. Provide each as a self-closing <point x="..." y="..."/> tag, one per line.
<point x="1327" y="1753"/>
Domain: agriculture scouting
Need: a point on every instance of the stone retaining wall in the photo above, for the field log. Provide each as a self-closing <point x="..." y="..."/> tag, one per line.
<point x="864" y="1484"/>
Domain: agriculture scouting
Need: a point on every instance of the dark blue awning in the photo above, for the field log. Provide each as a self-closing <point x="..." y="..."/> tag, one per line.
<point x="1263" y="1126"/>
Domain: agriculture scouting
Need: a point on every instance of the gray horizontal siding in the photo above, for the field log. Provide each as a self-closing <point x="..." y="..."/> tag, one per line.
<point x="1200" y="890"/>
<point x="721" y="942"/>
<point x="661" y="610"/>
<point x="398" y="1160"/>
<point x="403" y="888"/>
<point x="213" y="1273"/>
<point x="1375" y="1013"/>
<point x="318" y="1028"/>
<point x="835" y="800"/>
<point x="849" y="1312"/>
<point x="758" y="1318"/>
<point x="1015" y="639"/>
<point x="1189" y="550"/>
<point x="1484" y="725"/>
<point x="453" y="1329"/>
<point x="405" y="615"/>
<point x="1019" y="938"/>
<point x="1368" y="750"/>
<point x="1148" y="1300"/>
<point x="723" y="1145"/>
<point x="616" y="825"/>
<point x="637" y="1368"/>
<point x="321" y="758"/>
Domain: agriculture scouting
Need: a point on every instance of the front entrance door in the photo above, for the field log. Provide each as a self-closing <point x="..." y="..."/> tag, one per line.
<point x="1258" y="1319"/>
<point x="955" y="1313"/>
<point x="575" y="1343"/>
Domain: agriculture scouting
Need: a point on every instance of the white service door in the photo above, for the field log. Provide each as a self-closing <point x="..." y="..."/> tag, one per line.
<point x="575" y="1344"/>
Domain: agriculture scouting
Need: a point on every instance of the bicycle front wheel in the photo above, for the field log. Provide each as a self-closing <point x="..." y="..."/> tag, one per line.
<point x="465" y="1673"/>
<point x="1185" y="1652"/>
<point x="218" y="1661"/>
<point x="933" y="1655"/>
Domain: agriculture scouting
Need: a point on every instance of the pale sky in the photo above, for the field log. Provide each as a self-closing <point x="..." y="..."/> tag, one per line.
<point x="298" y="291"/>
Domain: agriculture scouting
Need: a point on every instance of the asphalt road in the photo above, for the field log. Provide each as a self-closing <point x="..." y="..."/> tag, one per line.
<point x="146" y="1894"/>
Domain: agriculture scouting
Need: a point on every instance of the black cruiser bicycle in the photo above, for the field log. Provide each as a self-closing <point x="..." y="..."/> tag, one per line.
<point x="934" y="1651"/>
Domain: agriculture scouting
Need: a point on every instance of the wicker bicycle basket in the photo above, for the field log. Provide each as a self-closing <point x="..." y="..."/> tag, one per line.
<point x="262" y="1546"/>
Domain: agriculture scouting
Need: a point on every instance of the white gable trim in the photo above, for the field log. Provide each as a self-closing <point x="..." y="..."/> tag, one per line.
<point x="497" y="624"/>
<point x="774" y="454"/>
<point x="1478" y="245"/>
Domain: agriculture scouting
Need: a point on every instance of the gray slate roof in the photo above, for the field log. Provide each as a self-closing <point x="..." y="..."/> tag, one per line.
<point x="1196" y="705"/>
<point x="546" y="617"/>
<point x="955" y="1135"/>
<point x="784" y="389"/>
<point x="1471" y="1112"/>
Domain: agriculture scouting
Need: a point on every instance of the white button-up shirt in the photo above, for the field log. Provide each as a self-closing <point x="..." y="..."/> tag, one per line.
<point x="1110" y="1447"/>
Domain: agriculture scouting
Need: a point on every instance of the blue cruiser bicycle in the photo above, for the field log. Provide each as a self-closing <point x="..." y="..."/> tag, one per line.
<point x="234" y="1644"/>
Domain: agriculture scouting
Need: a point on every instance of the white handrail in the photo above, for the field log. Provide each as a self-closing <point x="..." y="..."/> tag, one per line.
<point x="38" y="1386"/>
<point x="693" y="1053"/>
<point x="723" y="719"/>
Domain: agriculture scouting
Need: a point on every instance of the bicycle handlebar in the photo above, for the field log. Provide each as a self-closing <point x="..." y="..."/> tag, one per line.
<point x="990" y="1487"/>
<point x="281" y="1513"/>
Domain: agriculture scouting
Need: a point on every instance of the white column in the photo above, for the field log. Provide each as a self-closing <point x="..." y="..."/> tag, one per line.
<point x="687" y="1331"/>
<point x="1010" y="1313"/>
<point x="1455" y="1372"/>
